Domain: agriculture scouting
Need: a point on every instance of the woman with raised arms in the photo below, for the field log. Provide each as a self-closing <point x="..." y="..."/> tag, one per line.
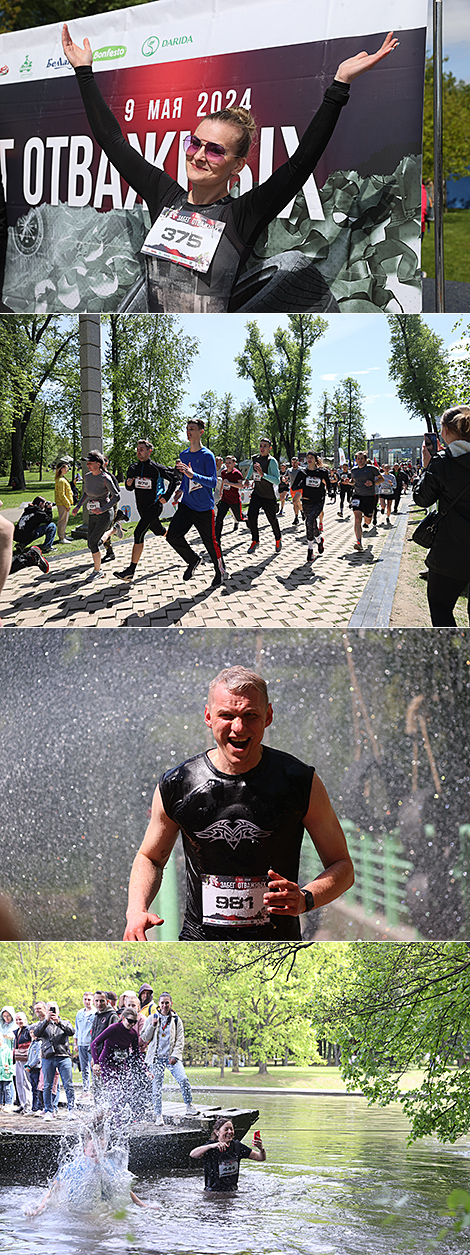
<point x="201" y="239"/>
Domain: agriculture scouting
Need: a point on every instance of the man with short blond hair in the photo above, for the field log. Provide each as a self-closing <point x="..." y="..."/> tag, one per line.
<point x="242" y="808"/>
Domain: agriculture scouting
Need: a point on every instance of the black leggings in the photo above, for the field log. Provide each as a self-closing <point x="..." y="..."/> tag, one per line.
<point x="223" y="509"/>
<point x="311" y="524"/>
<point x="149" y="523"/>
<point x="443" y="592"/>
<point x="203" y="521"/>
<point x="269" y="505"/>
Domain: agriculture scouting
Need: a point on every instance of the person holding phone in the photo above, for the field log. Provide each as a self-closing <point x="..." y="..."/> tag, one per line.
<point x="54" y="1034"/>
<point x="446" y="479"/>
<point x="201" y="239"/>
<point x="223" y="1154"/>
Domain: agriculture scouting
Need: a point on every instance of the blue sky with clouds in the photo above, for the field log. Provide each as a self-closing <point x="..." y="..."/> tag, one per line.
<point x="355" y="344"/>
<point x="456" y="36"/>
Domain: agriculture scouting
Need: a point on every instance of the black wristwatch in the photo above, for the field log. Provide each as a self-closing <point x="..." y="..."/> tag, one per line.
<point x="309" y="900"/>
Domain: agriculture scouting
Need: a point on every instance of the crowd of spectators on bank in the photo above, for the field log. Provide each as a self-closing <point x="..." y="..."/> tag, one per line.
<point x="121" y="1045"/>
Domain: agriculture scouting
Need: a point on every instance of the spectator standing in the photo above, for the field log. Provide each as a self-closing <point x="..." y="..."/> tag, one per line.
<point x="164" y="1035"/>
<point x="63" y="499"/>
<point x="54" y="1033"/>
<point x="83" y="1025"/>
<point x="22" y="1038"/>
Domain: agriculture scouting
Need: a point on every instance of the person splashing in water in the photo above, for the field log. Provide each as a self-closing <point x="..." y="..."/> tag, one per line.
<point x="93" y="1174"/>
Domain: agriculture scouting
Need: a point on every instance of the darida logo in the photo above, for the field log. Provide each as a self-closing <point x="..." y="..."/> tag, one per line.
<point x="150" y="46"/>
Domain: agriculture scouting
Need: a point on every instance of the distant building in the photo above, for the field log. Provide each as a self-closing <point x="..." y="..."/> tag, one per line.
<point x="396" y="448"/>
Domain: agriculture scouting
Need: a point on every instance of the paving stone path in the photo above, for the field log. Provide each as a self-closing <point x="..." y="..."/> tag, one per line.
<point x="264" y="590"/>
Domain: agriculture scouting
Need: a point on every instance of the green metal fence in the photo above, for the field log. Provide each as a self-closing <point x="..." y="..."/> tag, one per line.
<point x="381" y="873"/>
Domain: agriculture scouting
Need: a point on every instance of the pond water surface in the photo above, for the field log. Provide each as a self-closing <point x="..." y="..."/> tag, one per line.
<point x="340" y="1180"/>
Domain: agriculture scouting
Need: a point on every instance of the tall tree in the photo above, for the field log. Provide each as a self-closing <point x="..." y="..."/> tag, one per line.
<point x="403" y="1007"/>
<point x="420" y="367"/>
<point x="324" y="430"/>
<point x="147" y="362"/>
<point x="347" y="410"/>
<point x="456" y="125"/>
<point x="280" y="374"/>
<point x="33" y="351"/>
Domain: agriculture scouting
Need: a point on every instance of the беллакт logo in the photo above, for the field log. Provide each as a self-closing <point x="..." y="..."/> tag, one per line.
<point x="61" y="64"/>
<point x="110" y="52"/>
<point x="27" y="66"/>
<point x="150" y="46"/>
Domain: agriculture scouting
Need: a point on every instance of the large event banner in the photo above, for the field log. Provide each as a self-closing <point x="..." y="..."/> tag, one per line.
<point x="348" y="241"/>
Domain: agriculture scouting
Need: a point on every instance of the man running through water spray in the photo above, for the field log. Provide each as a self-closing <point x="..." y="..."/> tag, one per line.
<point x="242" y="808"/>
<point x="196" y="509"/>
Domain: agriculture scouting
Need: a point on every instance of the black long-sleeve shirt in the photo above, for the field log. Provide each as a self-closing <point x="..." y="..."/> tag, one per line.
<point x="244" y="217"/>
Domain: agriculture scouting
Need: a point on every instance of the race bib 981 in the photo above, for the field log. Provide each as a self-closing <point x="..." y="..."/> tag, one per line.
<point x="234" y="901"/>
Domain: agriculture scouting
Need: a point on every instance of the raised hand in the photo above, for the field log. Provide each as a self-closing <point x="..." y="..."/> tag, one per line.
<point x="363" y="61"/>
<point x="75" y="54"/>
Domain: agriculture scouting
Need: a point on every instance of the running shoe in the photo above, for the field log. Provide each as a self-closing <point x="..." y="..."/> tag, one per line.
<point x="48" y="1115"/>
<point x="190" y="1110"/>
<point x="216" y="582"/>
<point x="126" y="575"/>
<point x="109" y="555"/>
<point x="358" y="546"/>
<point x="159" y="1120"/>
<point x="254" y="545"/>
<point x="278" y="546"/>
<point x="296" y="521"/>
<point x="191" y="567"/>
<point x="64" y="541"/>
<point x="119" y="531"/>
<point x="95" y="575"/>
<point x="339" y="514"/>
<point x="321" y="545"/>
<point x="309" y="555"/>
<point x="36" y="559"/>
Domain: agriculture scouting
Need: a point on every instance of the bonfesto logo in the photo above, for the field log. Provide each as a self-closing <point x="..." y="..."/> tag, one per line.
<point x="110" y="53"/>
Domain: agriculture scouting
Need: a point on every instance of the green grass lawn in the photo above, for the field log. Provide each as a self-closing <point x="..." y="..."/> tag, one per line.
<point x="316" y="1078"/>
<point x="44" y="487"/>
<point x="456" y="247"/>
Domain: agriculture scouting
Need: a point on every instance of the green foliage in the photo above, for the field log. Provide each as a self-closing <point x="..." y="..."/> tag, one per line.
<point x="38" y="354"/>
<point x="280" y="374"/>
<point x="20" y="14"/>
<point x="227" y="429"/>
<point x="346" y="407"/>
<point x="456" y="126"/>
<point x="419" y="365"/>
<point x="405" y="1006"/>
<point x="146" y="364"/>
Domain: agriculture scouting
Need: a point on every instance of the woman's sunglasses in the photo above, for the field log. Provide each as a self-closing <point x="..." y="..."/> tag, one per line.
<point x="214" y="152"/>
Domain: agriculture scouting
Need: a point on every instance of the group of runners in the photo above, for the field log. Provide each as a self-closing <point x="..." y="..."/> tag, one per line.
<point x="205" y="488"/>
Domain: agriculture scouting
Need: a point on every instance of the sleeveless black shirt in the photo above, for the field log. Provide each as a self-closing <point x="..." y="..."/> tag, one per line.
<point x="238" y="827"/>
